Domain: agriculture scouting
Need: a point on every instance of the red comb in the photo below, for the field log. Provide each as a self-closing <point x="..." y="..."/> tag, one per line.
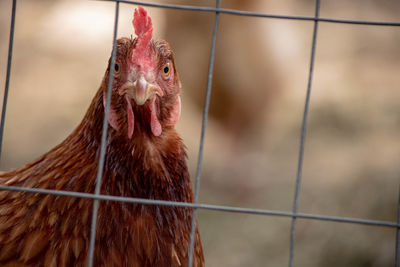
<point x="143" y="29"/>
<point x="141" y="22"/>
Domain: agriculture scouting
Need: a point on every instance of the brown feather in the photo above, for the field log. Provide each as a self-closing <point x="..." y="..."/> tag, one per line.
<point x="34" y="243"/>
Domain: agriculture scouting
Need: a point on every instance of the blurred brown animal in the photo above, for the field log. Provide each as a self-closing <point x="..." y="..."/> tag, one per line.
<point x="145" y="158"/>
<point x="245" y="78"/>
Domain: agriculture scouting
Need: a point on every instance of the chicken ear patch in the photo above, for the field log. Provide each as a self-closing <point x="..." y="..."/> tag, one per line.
<point x="175" y="113"/>
<point x="131" y="118"/>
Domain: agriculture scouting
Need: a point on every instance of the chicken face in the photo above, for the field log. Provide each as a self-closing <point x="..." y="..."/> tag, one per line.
<point x="146" y="85"/>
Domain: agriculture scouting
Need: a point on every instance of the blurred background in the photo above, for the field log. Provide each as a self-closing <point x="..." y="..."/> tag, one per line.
<point x="352" y="153"/>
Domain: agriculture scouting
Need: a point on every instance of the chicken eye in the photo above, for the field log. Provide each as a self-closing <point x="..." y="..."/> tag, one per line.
<point x="117" y="68"/>
<point x="166" y="70"/>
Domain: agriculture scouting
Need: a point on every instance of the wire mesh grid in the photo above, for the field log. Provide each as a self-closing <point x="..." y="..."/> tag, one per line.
<point x="294" y="214"/>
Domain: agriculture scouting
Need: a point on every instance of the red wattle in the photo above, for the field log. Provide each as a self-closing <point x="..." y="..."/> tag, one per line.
<point x="154" y="123"/>
<point x="112" y="115"/>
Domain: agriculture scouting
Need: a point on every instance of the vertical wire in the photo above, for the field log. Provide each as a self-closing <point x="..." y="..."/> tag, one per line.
<point x="303" y="136"/>
<point x="203" y="129"/>
<point x="103" y="140"/>
<point x="397" y="247"/>
<point x="10" y="48"/>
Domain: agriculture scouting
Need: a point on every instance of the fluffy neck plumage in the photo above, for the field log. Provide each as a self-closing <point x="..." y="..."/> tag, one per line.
<point x="144" y="166"/>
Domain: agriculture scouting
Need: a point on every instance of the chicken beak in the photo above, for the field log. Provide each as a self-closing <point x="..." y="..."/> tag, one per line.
<point x="140" y="90"/>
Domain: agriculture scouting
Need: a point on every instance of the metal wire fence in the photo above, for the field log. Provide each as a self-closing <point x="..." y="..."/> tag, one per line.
<point x="294" y="214"/>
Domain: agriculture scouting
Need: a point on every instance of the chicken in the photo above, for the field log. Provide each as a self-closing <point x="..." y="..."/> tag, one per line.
<point x="145" y="158"/>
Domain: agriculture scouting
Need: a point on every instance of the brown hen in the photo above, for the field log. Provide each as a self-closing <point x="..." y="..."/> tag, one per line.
<point x="145" y="158"/>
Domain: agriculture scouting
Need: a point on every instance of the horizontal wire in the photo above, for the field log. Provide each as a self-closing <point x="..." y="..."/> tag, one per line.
<point x="201" y="206"/>
<point x="256" y="14"/>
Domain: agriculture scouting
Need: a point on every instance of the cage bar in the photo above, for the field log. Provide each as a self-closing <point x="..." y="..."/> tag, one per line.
<point x="103" y="140"/>
<point x="303" y="138"/>
<point x="203" y="130"/>
<point x="97" y="197"/>
<point x="9" y="60"/>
